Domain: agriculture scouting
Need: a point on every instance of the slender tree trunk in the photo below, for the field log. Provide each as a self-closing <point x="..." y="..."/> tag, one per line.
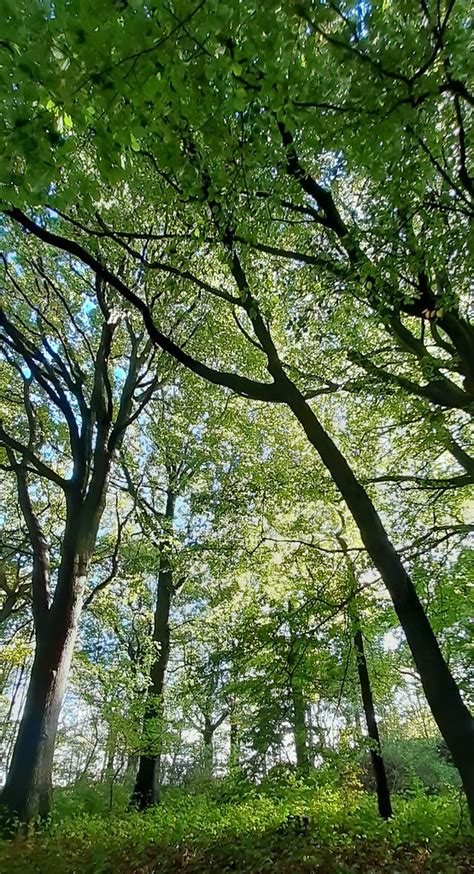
<point x="108" y="768"/>
<point x="378" y="765"/>
<point x="146" y="789"/>
<point x="300" y="728"/>
<point x="28" y="787"/>
<point x="131" y="768"/>
<point x="208" y="748"/>
<point x="450" y="713"/>
<point x="234" y="754"/>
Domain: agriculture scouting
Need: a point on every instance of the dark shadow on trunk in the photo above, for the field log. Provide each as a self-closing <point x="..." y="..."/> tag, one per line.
<point x="146" y="790"/>
<point x="28" y="787"/>
<point x="383" y="793"/>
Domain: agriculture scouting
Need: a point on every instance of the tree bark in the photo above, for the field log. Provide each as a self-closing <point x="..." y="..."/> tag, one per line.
<point x="234" y="753"/>
<point x="208" y="747"/>
<point x="146" y="789"/>
<point x="449" y="711"/>
<point x="378" y="765"/>
<point x="28" y="787"/>
<point x="300" y="728"/>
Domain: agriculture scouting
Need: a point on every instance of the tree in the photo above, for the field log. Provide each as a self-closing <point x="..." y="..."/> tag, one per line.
<point x="76" y="409"/>
<point x="241" y="138"/>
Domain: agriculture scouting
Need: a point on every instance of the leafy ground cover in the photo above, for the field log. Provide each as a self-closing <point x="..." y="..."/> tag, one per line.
<point x="250" y="829"/>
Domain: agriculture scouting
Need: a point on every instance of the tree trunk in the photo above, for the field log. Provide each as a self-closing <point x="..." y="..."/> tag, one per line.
<point x="146" y="789"/>
<point x="378" y="765"/>
<point x="208" y="750"/>
<point x="131" y="768"/>
<point x="450" y="713"/>
<point x="28" y="787"/>
<point x="300" y="728"/>
<point x="108" y="767"/>
<point x="234" y="753"/>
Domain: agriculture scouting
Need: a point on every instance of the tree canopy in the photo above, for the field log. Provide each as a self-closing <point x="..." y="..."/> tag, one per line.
<point x="236" y="393"/>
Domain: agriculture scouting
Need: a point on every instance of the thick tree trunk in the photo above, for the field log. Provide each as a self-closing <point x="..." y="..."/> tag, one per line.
<point x="378" y="765"/>
<point x="146" y="789"/>
<point x="28" y="787"/>
<point x="450" y="713"/>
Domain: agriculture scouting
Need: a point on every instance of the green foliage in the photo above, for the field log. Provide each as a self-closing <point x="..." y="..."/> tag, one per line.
<point x="414" y="761"/>
<point x="286" y="188"/>
<point x="248" y="828"/>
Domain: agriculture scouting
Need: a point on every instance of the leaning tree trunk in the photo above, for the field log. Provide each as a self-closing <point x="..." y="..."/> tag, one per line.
<point x="146" y="789"/>
<point x="28" y="787"/>
<point x="450" y="713"/>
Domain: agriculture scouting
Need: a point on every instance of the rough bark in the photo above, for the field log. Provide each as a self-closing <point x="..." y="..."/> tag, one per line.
<point x="146" y="789"/>
<point x="28" y="787"/>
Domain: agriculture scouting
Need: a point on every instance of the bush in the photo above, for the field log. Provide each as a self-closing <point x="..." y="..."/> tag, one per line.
<point x="412" y="762"/>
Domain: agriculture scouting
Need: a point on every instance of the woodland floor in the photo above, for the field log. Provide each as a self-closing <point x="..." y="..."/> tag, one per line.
<point x="256" y="831"/>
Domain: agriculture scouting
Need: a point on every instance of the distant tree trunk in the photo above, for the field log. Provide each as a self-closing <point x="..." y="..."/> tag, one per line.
<point x="383" y="792"/>
<point x="146" y="790"/>
<point x="300" y="728"/>
<point x="234" y="754"/>
<point x="11" y="736"/>
<point x="208" y="731"/>
<point x="378" y="764"/>
<point x="108" y="768"/>
<point x="208" y="747"/>
<point x="131" y="768"/>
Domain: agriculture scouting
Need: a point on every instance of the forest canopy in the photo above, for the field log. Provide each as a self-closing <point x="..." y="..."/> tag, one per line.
<point x="236" y="395"/>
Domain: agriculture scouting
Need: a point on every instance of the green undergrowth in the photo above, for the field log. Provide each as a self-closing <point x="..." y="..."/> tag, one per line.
<point x="245" y="828"/>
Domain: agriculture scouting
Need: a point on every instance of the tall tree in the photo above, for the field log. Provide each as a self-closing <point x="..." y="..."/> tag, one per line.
<point x="76" y="409"/>
<point x="248" y="143"/>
